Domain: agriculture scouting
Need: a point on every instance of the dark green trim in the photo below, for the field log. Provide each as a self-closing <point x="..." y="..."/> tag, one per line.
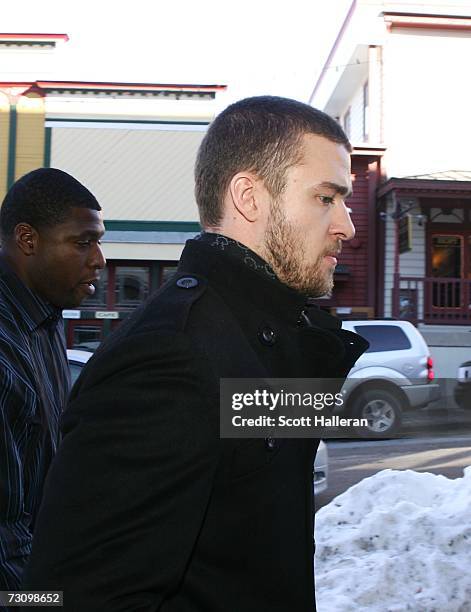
<point x="47" y="147"/>
<point x="145" y="121"/>
<point x="153" y="226"/>
<point x="11" y="147"/>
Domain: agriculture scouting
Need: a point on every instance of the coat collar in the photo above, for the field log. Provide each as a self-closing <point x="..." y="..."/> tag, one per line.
<point x="328" y="350"/>
<point x="232" y="272"/>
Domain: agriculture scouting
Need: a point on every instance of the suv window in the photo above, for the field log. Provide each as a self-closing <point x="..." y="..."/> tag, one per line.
<point x="384" y="337"/>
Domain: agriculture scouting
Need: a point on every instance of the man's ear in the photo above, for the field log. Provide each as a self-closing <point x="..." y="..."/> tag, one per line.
<point x="26" y="238"/>
<point x="243" y="190"/>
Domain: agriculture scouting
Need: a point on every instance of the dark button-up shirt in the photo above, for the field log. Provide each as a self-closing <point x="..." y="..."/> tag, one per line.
<point x="34" y="384"/>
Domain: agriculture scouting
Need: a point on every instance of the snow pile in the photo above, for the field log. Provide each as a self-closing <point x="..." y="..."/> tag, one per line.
<point x="397" y="541"/>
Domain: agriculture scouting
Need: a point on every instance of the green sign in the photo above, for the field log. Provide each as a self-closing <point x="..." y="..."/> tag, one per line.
<point x="404" y="227"/>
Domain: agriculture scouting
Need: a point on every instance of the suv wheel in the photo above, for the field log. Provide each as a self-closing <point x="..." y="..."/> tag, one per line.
<point x="382" y="410"/>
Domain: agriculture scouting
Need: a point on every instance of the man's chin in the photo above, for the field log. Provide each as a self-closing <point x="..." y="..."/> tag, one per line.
<point x="318" y="287"/>
<point x="70" y="302"/>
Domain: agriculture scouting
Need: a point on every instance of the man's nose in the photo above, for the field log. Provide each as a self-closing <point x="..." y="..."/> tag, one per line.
<point x="98" y="260"/>
<point x="342" y="225"/>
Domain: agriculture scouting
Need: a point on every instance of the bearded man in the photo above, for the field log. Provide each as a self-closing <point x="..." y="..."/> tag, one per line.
<point x="146" y="508"/>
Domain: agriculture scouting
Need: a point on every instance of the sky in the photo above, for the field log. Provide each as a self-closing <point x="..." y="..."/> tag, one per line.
<point x="253" y="46"/>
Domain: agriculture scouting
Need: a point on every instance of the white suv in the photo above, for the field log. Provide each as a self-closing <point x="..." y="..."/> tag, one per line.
<point x="395" y="374"/>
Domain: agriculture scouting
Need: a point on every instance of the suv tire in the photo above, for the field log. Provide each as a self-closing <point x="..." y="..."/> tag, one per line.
<point x="383" y="411"/>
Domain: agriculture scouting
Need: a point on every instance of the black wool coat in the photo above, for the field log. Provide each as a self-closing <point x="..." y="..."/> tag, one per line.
<point x="145" y="507"/>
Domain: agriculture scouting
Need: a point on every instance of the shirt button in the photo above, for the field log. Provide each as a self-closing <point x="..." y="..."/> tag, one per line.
<point x="187" y="282"/>
<point x="267" y="336"/>
<point x="270" y="443"/>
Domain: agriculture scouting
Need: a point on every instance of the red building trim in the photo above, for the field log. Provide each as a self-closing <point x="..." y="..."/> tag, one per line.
<point x="94" y="85"/>
<point x="26" y="37"/>
<point x="369" y="150"/>
<point x="373" y="180"/>
<point x="427" y="21"/>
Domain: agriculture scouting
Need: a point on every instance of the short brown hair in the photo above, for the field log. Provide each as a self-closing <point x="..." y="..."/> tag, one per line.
<point x="260" y="135"/>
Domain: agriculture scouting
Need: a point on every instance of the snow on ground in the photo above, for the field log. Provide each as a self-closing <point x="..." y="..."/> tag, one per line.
<point x="397" y="541"/>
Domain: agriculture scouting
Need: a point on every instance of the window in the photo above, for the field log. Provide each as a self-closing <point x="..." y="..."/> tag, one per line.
<point x="446" y="266"/>
<point x="86" y="336"/>
<point x="446" y="256"/>
<point x="99" y="297"/>
<point x="167" y="272"/>
<point x="122" y="287"/>
<point x="131" y="285"/>
<point x="384" y="337"/>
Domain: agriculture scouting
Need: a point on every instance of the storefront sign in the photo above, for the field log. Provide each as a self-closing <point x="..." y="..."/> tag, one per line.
<point x="71" y="314"/>
<point x="404" y="227"/>
<point x="106" y="314"/>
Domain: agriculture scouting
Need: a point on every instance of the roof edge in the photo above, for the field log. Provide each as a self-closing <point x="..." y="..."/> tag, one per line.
<point x="33" y="36"/>
<point x="377" y="150"/>
<point x="339" y="37"/>
<point x="110" y="86"/>
<point x="393" y="184"/>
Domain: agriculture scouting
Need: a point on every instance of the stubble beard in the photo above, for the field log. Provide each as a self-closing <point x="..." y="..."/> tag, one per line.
<point x="285" y="251"/>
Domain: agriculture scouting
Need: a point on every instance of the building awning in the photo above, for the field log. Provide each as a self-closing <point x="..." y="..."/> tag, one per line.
<point x="446" y="183"/>
<point x="136" y="89"/>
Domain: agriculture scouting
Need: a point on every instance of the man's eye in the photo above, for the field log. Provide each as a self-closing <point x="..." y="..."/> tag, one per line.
<point x="326" y="199"/>
<point x="83" y="243"/>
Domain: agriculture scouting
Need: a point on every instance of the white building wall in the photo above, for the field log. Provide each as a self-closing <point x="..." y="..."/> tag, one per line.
<point x="125" y="105"/>
<point x="23" y="62"/>
<point x="356" y="116"/>
<point x="136" y="173"/>
<point x="389" y="249"/>
<point x="134" y="251"/>
<point x="426" y="101"/>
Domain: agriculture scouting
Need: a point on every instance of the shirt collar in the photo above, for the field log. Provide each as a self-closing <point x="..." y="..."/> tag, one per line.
<point x="33" y="310"/>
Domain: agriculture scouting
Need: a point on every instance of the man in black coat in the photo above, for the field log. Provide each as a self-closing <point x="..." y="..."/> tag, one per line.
<point x="146" y="508"/>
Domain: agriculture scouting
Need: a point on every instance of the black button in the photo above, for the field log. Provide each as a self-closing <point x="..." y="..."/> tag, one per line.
<point x="270" y="443"/>
<point x="187" y="282"/>
<point x="267" y="336"/>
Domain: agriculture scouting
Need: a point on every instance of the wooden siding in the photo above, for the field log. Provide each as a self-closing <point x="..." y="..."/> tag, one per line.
<point x="353" y="291"/>
<point x="356" y="116"/>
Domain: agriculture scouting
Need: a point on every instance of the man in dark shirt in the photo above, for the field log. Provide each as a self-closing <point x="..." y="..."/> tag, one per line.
<point x="50" y="227"/>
